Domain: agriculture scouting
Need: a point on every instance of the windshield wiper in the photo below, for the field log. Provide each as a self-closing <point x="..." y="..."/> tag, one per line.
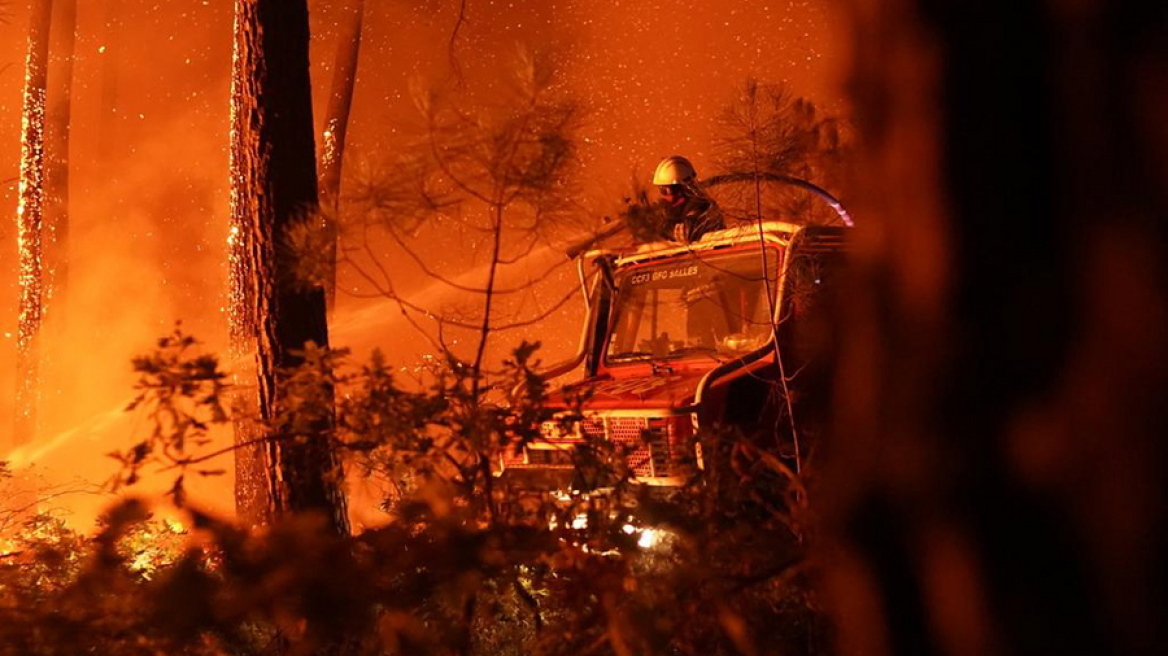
<point x="705" y="350"/>
<point x="631" y="355"/>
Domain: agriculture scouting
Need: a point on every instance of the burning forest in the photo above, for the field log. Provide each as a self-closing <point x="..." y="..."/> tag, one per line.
<point x="470" y="327"/>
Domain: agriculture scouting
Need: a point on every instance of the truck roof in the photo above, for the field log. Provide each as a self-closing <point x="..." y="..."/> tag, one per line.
<point x="775" y="232"/>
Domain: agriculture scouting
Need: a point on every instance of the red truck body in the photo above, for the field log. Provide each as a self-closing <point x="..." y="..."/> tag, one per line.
<point x="681" y="338"/>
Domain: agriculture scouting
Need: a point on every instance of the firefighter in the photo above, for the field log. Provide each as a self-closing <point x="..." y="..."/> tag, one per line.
<point x="688" y="213"/>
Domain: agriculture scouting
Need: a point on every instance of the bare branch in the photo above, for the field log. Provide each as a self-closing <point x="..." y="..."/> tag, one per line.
<point x="431" y="272"/>
<point x="455" y="67"/>
<point x="37" y="499"/>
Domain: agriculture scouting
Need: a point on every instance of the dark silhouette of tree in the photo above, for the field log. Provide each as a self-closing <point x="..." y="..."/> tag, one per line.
<point x="999" y="482"/>
<point x="112" y="136"/>
<point x="55" y="234"/>
<point x="336" y="121"/>
<point x="501" y="177"/>
<point x="768" y="132"/>
<point x="275" y="313"/>
<point x="336" y="125"/>
<point x="30" y="221"/>
<point x="59" y="117"/>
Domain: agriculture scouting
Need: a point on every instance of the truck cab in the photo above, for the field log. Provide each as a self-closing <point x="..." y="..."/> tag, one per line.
<point x="731" y="333"/>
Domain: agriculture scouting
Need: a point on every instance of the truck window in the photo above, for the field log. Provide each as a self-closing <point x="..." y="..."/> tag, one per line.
<point x="806" y="324"/>
<point x="711" y="304"/>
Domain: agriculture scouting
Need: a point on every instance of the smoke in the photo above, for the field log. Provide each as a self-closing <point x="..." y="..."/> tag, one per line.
<point x="149" y="159"/>
<point x="147" y="225"/>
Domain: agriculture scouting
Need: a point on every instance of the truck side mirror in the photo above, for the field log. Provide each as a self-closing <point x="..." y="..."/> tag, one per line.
<point x="604" y="263"/>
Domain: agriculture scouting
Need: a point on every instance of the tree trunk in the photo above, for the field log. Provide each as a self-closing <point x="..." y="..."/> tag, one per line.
<point x="336" y="126"/>
<point x="30" y="222"/>
<point x="55" y="386"/>
<point x="60" y="99"/>
<point x="274" y="189"/>
<point x="997" y="482"/>
<point x="111" y="135"/>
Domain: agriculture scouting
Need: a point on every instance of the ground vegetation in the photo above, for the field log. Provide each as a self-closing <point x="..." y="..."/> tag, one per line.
<point x="465" y="563"/>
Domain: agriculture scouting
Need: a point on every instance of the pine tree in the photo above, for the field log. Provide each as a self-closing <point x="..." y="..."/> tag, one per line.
<point x="275" y="314"/>
<point x="30" y="221"/>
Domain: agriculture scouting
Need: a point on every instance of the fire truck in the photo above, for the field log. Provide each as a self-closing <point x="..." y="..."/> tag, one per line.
<point x="730" y="334"/>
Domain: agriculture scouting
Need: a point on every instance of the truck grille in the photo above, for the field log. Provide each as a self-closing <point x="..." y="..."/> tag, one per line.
<point x="822" y="239"/>
<point x="652" y="445"/>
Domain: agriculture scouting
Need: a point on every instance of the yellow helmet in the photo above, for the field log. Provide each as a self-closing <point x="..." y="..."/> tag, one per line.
<point x="674" y="169"/>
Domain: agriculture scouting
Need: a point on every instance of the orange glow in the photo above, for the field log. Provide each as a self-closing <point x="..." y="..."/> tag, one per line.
<point x="150" y="237"/>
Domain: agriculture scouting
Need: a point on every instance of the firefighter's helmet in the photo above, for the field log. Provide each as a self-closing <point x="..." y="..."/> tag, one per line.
<point x="674" y="169"/>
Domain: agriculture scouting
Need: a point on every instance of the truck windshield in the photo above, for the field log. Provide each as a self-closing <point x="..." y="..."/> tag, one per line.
<point x="697" y="305"/>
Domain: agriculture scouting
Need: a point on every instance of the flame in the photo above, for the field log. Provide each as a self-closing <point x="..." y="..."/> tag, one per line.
<point x="611" y="50"/>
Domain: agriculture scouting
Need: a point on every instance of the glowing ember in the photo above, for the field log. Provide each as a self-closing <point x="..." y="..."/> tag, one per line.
<point x="30" y="219"/>
<point x="151" y="237"/>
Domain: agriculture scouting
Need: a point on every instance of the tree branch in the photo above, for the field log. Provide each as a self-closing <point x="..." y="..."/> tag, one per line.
<point x="455" y="67"/>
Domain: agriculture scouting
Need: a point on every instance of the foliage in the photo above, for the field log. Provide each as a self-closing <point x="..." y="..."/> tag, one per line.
<point x="509" y="162"/>
<point x="475" y="190"/>
<point x="477" y="167"/>
<point x="467" y="562"/>
<point x="763" y="134"/>
<point x="27" y="494"/>
<point x="768" y="131"/>
<point x="62" y="593"/>
<point x="181" y="396"/>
